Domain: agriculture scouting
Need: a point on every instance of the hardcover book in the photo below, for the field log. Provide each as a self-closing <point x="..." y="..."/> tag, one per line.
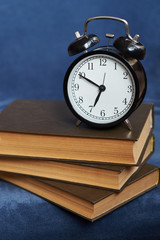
<point x="90" y="203"/>
<point x="47" y="129"/>
<point x="100" y="175"/>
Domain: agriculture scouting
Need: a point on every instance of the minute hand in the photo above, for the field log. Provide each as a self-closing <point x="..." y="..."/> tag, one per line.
<point x="89" y="80"/>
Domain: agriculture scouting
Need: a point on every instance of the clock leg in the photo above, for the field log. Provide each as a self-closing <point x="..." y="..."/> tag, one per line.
<point x="78" y="123"/>
<point x="128" y="124"/>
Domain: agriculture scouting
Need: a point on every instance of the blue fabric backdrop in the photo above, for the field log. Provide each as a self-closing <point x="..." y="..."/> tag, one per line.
<point x="34" y="36"/>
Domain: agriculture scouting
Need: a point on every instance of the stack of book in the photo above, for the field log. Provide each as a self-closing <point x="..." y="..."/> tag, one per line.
<point x="90" y="172"/>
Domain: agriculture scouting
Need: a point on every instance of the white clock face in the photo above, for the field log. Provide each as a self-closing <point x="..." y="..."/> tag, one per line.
<point x="101" y="89"/>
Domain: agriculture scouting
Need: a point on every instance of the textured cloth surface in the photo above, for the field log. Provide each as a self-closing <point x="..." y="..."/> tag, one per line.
<point x="34" y="36"/>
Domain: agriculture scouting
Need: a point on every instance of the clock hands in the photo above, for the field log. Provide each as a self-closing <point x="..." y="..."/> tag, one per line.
<point x="104" y="78"/>
<point x="89" y="80"/>
<point x="102" y="88"/>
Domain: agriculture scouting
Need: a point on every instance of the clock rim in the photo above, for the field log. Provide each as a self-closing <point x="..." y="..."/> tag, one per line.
<point x="124" y="61"/>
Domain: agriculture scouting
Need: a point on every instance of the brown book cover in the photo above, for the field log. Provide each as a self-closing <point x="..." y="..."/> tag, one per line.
<point x="99" y="175"/>
<point x="90" y="203"/>
<point x="44" y="128"/>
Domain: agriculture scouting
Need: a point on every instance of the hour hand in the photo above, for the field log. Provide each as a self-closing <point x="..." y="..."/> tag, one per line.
<point x="87" y="79"/>
<point x="102" y="88"/>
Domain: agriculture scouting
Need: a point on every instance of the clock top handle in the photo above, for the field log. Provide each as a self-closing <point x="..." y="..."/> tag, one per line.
<point x="110" y="18"/>
<point x="128" y="46"/>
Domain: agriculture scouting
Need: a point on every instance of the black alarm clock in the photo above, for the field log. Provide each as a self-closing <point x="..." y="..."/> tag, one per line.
<point x="104" y="86"/>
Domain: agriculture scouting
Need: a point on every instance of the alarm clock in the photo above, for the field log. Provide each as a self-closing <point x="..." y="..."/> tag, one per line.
<point x="102" y="87"/>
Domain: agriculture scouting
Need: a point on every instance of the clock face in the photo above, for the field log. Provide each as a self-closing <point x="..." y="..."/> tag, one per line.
<point x="100" y="88"/>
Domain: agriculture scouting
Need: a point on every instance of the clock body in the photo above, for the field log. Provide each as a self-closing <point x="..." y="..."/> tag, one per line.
<point x="102" y="87"/>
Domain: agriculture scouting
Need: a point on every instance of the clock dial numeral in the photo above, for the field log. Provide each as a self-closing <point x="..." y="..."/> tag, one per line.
<point x="81" y="75"/>
<point x="115" y="110"/>
<point x="125" y="101"/>
<point x="76" y="86"/>
<point x="103" y="61"/>
<point x="90" y="66"/>
<point x="102" y="113"/>
<point x="115" y="66"/>
<point x="125" y="74"/>
<point x="80" y="99"/>
<point x="91" y="107"/>
<point x="130" y="89"/>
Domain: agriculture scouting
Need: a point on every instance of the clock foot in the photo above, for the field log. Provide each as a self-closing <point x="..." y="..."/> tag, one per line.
<point x="128" y="124"/>
<point x="78" y="123"/>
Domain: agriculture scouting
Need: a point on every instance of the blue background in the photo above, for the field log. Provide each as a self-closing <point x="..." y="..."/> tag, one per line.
<point x="34" y="37"/>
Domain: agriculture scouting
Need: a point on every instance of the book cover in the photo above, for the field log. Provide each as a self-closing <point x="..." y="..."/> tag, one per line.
<point x="99" y="175"/>
<point x="90" y="203"/>
<point x="44" y="128"/>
